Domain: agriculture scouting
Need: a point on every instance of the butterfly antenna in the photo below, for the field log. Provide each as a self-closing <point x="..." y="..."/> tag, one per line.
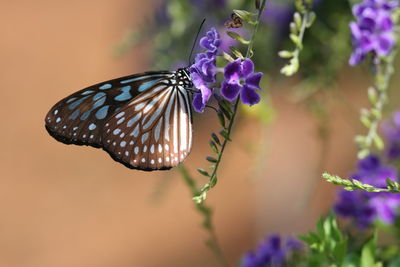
<point x="195" y="40"/>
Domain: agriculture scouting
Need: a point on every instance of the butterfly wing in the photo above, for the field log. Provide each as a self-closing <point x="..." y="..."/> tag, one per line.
<point x="153" y="131"/>
<point x="80" y="117"/>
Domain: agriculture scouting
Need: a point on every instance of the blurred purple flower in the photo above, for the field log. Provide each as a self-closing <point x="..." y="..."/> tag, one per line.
<point x="203" y="70"/>
<point x="364" y="207"/>
<point x="373" y="31"/>
<point x="241" y="79"/>
<point x="271" y="252"/>
<point x="391" y="129"/>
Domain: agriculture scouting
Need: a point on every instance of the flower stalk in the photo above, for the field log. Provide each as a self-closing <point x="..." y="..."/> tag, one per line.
<point x="230" y="114"/>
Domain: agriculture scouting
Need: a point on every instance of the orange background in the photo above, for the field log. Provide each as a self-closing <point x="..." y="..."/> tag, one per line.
<point x="74" y="206"/>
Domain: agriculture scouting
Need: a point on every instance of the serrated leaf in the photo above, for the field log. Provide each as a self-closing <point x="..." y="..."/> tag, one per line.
<point x="203" y="172"/>
<point x="237" y="37"/>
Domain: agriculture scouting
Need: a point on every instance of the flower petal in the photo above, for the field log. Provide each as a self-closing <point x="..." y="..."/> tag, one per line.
<point x="248" y="67"/>
<point x="233" y="71"/>
<point x="253" y="80"/>
<point x="230" y="91"/>
<point x="197" y="103"/>
<point x="249" y="96"/>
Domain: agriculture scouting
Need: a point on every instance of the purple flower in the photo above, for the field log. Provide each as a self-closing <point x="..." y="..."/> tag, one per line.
<point x="271" y="252"/>
<point x="203" y="70"/>
<point x="373" y="31"/>
<point x="364" y="207"/>
<point x="241" y="79"/>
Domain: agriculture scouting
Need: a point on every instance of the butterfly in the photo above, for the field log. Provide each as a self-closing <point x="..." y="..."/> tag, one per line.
<point x="143" y="121"/>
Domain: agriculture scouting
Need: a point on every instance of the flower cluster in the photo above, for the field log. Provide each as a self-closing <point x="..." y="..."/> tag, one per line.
<point x="239" y="76"/>
<point x="363" y="207"/>
<point x="203" y="71"/>
<point x="374" y="29"/>
<point x="271" y="252"/>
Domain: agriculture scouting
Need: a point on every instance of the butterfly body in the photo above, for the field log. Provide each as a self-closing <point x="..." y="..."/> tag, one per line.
<point x="143" y="120"/>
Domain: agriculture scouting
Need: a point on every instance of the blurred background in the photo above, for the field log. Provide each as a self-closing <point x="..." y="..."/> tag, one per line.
<point x="74" y="206"/>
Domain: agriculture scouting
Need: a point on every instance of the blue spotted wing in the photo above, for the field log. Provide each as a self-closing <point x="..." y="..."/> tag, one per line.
<point x="155" y="108"/>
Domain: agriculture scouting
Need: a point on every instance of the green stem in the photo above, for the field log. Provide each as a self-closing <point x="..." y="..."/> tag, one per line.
<point x="206" y="211"/>
<point x="213" y="177"/>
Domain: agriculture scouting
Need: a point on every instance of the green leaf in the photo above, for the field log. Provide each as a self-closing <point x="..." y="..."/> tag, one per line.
<point x="236" y="52"/>
<point x="213" y="146"/>
<point x="378" y="142"/>
<point x="244" y="15"/>
<point x="311" y="19"/>
<point x="216" y="139"/>
<point x="225" y="135"/>
<point x="211" y="159"/>
<point x="213" y="182"/>
<point x="221" y="118"/>
<point x="293" y="28"/>
<point x="295" y="39"/>
<point x="297" y="20"/>
<point x="368" y="253"/>
<point x="285" y="54"/>
<point x="227" y="57"/>
<point x="203" y="172"/>
<point x="237" y="37"/>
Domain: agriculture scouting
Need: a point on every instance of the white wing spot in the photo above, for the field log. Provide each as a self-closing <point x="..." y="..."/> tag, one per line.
<point x="167" y="159"/>
<point x="119" y="115"/>
<point x="152" y="149"/>
<point x="136" y="150"/>
<point x="116" y="131"/>
<point x="126" y="153"/>
<point x="58" y="119"/>
<point x="145" y="149"/>
<point x="167" y="147"/>
<point x="159" y="160"/>
<point x="122" y="144"/>
<point x="143" y="160"/>
<point x="159" y="148"/>
<point x="55" y="112"/>
<point x="152" y="161"/>
<point x="122" y="135"/>
<point x="121" y="120"/>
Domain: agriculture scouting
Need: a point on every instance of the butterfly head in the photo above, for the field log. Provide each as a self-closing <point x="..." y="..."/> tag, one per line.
<point x="183" y="77"/>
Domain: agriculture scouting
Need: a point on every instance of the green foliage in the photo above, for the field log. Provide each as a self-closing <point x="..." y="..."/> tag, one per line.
<point x="301" y="21"/>
<point x="328" y="245"/>
<point x="377" y="96"/>
<point x="353" y="184"/>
